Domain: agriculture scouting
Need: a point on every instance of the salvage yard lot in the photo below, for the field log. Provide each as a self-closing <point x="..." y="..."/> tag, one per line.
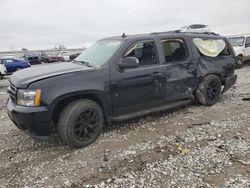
<point x="190" y="146"/>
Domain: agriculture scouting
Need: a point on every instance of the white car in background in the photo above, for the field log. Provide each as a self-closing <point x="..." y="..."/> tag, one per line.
<point x="9" y="56"/>
<point x="241" y="46"/>
<point x="195" y="28"/>
<point x="3" y="71"/>
<point x="64" y="56"/>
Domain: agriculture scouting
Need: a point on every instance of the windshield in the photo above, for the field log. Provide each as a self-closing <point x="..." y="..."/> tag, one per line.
<point x="100" y="52"/>
<point x="237" y="41"/>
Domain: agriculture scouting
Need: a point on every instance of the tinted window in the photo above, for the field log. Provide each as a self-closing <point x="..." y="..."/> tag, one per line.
<point x="197" y="26"/>
<point x="144" y="51"/>
<point x="248" y="40"/>
<point x="174" y="50"/>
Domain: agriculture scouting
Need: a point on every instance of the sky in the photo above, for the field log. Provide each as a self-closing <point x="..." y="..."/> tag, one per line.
<point x="44" y="24"/>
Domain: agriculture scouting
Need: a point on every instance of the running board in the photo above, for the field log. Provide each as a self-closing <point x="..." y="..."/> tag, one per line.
<point x="150" y="110"/>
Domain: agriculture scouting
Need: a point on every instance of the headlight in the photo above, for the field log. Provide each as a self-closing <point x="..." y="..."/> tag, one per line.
<point x="29" y="97"/>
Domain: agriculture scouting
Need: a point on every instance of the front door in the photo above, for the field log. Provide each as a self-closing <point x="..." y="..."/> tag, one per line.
<point x="139" y="88"/>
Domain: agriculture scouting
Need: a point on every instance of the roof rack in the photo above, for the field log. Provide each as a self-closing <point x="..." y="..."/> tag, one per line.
<point x="179" y="31"/>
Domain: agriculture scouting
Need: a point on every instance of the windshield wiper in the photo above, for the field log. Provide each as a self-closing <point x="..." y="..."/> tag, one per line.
<point x="83" y="62"/>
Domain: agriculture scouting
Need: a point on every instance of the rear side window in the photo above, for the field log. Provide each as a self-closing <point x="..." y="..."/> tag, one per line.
<point x="174" y="50"/>
<point x="211" y="47"/>
<point x="144" y="51"/>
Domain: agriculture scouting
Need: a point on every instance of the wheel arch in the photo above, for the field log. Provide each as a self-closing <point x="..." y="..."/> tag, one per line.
<point x="218" y="74"/>
<point x="62" y="101"/>
<point x="240" y="55"/>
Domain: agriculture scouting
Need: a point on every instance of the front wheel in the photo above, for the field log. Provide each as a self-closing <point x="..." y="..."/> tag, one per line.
<point x="239" y="61"/>
<point x="80" y="123"/>
<point x="209" y="90"/>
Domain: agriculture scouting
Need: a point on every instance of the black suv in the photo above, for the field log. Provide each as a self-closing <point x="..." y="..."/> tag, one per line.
<point x="119" y="78"/>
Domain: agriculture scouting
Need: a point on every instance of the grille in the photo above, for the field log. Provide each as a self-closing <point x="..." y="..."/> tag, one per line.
<point x="12" y="90"/>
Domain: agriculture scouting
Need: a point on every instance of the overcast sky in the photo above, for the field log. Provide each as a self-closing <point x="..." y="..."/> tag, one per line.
<point x="42" y="24"/>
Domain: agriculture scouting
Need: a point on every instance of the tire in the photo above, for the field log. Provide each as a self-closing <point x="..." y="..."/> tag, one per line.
<point x="239" y="61"/>
<point x="80" y="123"/>
<point x="209" y="90"/>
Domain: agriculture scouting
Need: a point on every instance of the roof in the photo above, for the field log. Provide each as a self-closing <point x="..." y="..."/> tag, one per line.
<point x="163" y="34"/>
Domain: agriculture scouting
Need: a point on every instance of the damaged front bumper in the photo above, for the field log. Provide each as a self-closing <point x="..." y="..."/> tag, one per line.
<point x="229" y="82"/>
<point x="34" y="121"/>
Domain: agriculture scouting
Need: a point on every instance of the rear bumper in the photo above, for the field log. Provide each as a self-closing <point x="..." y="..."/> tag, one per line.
<point x="229" y="82"/>
<point x="35" y="121"/>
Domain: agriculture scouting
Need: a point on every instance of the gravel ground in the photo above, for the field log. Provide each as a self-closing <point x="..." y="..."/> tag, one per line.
<point x="194" y="146"/>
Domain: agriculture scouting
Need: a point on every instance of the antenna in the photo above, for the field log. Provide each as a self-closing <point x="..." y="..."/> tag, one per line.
<point x="123" y="35"/>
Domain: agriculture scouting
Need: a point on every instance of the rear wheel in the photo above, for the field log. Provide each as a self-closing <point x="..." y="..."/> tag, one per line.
<point x="209" y="90"/>
<point x="239" y="61"/>
<point x="80" y="123"/>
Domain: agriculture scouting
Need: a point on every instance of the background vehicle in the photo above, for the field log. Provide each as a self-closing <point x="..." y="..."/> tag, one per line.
<point x="73" y="56"/>
<point x="64" y="56"/>
<point x="49" y="58"/>
<point x="10" y="56"/>
<point x="33" y="57"/>
<point x="3" y="71"/>
<point x="119" y="78"/>
<point x="241" y="46"/>
<point x="13" y="65"/>
<point x="195" y="28"/>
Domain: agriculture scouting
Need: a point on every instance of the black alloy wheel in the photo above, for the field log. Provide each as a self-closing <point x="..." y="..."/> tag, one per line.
<point x="213" y="90"/>
<point x="80" y="123"/>
<point x="86" y="126"/>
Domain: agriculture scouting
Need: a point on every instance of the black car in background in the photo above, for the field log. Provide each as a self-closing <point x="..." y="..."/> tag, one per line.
<point x="33" y="57"/>
<point x="119" y="78"/>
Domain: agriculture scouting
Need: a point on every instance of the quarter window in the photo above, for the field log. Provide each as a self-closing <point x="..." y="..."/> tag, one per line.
<point x="145" y="52"/>
<point x="174" y="50"/>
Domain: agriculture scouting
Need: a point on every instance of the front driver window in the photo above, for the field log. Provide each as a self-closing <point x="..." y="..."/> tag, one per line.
<point x="144" y="51"/>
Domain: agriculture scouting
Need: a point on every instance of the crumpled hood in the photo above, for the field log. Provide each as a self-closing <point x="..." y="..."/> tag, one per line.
<point x="22" y="78"/>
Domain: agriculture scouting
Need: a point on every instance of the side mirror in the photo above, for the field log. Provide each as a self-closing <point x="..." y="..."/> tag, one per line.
<point x="129" y="62"/>
<point x="247" y="45"/>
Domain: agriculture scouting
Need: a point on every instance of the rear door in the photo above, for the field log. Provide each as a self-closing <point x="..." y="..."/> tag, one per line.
<point x="139" y="88"/>
<point x="180" y="70"/>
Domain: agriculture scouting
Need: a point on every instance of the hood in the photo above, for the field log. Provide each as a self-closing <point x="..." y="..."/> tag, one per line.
<point x="22" y="78"/>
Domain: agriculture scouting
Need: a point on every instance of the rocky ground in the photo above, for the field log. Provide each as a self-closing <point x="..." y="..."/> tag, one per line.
<point x="194" y="146"/>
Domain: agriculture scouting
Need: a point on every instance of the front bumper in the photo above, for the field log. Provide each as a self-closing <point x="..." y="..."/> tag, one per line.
<point x="229" y="82"/>
<point x="35" y="121"/>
